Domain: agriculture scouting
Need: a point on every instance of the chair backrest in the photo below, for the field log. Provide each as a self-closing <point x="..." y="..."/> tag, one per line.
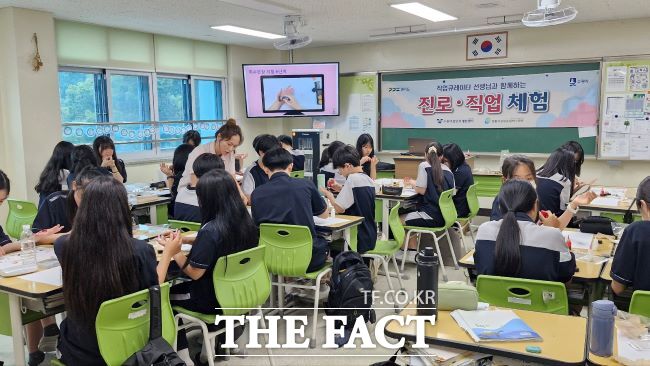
<point x="396" y="226"/>
<point x="20" y="213"/>
<point x="472" y="201"/>
<point x="298" y="173"/>
<point x="640" y="303"/>
<point x="448" y="208"/>
<point x="288" y="248"/>
<point x="184" y="225"/>
<point x="122" y="324"/>
<point x="524" y="294"/>
<point x="241" y="281"/>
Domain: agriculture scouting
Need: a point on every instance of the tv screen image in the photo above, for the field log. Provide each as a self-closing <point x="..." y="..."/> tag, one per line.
<point x="291" y="90"/>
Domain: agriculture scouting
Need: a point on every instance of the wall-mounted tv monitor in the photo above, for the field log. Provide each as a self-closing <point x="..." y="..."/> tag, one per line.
<point x="298" y="90"/>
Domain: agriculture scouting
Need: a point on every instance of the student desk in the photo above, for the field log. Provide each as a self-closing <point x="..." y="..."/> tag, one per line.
<point x="621" y="208"/>
<point x="385" y="207"/>
<point x="607" y="275"/>
<point x="31" y="295"/>
<point x="407" y="166"/>
<point x="347" y="227"/>
<point x="564" y="337"/>
<point x="157" y="207"/>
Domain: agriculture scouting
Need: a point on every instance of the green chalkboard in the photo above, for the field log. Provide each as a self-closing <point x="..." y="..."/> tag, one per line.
<point x="522" y="140"/>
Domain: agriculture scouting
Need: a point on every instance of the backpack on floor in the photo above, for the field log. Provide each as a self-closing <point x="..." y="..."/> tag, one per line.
<point x="350" y="288"/>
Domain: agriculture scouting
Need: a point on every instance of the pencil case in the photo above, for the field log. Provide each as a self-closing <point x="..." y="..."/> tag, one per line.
<point x="454" y="295"/>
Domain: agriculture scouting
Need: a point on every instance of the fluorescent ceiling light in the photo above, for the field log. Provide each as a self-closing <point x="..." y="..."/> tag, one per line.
<point x="424" y="12"/>
<point x="248" y="32"/>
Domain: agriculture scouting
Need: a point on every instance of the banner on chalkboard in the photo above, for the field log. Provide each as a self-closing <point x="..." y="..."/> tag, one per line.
<point x="560" y="99"/>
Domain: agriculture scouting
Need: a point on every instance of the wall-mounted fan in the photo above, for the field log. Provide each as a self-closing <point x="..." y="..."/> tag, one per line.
<point x="548" y="13"/>
<point x="294" y="38"/>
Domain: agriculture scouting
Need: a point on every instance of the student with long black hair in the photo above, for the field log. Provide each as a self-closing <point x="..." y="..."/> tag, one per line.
<point x="192" y="137"/>
<point x="227" y="228"/>
<point x="516" y="246"/>
<point x="366" y="150"/>
<point x="326" y="167"/>
<point x="630" y="266"/>
<point x="82" y="157"/>
<point x="186" y="207"/>
<point x="174" y="172"/>
<point x="579" y="154"/>
<point x="101" y="261"/>
<point x="107" y="158"/>
<point x="555" y="182"/>
<point x="54" y="176"/>
<point x="454" y="158"/>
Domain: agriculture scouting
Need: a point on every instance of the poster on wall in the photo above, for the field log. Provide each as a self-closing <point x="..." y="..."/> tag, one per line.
<point x="625" y="116"/>
<point x="559" y="99"/>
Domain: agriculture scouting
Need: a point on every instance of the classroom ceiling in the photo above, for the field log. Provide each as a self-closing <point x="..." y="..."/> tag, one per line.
<point x="329" y="22"/>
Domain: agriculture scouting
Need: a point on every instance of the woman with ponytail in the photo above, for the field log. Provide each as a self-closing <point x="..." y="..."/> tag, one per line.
<point x="227" y="138"/>
<point x="516" y="246"/>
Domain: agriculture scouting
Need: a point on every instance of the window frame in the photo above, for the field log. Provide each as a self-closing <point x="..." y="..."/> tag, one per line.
<point x="224" y="94"/>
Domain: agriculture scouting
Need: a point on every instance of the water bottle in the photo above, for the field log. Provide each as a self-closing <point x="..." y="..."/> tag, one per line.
<point x="427" y="272"/>
<point x="601" y="328"/>
<point x="27" y="246"/>
<point x="320" y="178"/>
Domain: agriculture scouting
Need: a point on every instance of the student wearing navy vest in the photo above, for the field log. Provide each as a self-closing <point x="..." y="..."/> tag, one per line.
<point x="83" y="157"/>
<point x="227" y="228"/>
<point x="175" y="171"/>
<point x="297" y="156"/>
<point x="516" y="246"/>
<point x="630" y="267"/>
<point x="357" y="196"/>
<point x="454" y="158"/>
<point x="291" y="201"/>
<point x="366" y="149"/>
<point x="107" y="158"/>
<point x="54" y="176"/>
<point x="555" y="182"/>
<point x="254" y="176"/>
<point x="333" y="179"/>
<point x="186" y="207"/>
<point x="514" y="167"/>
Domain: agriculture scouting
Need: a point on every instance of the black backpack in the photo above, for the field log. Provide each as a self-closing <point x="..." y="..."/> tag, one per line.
<point x="350" y="288"/>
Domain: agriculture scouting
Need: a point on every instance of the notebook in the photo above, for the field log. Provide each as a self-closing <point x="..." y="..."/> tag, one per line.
<point x="494" y="326"/>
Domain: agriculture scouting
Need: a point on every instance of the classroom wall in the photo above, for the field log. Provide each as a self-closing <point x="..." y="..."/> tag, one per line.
<point x="29" y="100"/>
<point x="565" y="42"/>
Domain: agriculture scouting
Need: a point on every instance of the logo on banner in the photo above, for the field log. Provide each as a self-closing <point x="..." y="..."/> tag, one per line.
<point x="486" y="46"/>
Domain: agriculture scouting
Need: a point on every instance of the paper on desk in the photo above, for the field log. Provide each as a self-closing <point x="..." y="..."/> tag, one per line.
<point x="579" y="240"/>
<point x="408" y="192"/>
<point x="605" y="201"/>
<point x="50" y="276"/>
<point x="626" y="352"/>
<point x="613" y="192"/>
<point x="494" y="325"/>
<point x="328" y="221"/>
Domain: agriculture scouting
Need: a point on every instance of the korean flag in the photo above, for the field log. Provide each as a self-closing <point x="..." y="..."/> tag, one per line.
<point x="482" y="46"/>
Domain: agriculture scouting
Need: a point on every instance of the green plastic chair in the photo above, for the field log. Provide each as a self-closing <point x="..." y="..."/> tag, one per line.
<point x="524" y="294"/>
<point x="640" y="303"/>
<point x="385" y="250"/>
<point x="5" y="320"/>
<point x="20" y="213"/>
<point x="463" y="223"/>
<point x="241" y="283"/>
<point x="379" y="212"/>
<point x="448" y="210"/>
<point x="184" y="225"/>
<point x="298" y="174"/>
<point x="288" y="253"/>
<point x="122" y="325"/>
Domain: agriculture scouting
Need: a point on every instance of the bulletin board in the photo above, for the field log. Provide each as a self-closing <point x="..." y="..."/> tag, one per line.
<point x="625" y="109"/>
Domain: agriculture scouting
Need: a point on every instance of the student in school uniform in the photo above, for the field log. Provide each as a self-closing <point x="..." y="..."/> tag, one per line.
<point x="357" y="196"/>
<point x="366" y="149"/>
<point x="54" y="176"/>
<point x="514" y="167"/>
<point x="286" y="200"/>
<point x="555" y="182"/>
<point x="254" y="176"/>
<point x="298" y="157"/>
<point x="630" y="266"/>
<point x="227" y="138"/>
<point x="454" y="158"/>
<point x="174" y="172"/>
<point x="100" y="243"/>
<point x="326" y="167"/>
<point x="227" y="228"/>
<point x="186" y="207"/>
<point x="60" y="208"/>
<point x="192" y="137"/>
<point x="516" y="246"/>
<point x="579" y="156"/>
<point x="82" y="157"/>
<point x="107" y="158"/>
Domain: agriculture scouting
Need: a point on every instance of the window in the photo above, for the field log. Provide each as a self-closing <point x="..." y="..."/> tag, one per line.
<point x="144" y="113"/>
<point x="174" y="104"/>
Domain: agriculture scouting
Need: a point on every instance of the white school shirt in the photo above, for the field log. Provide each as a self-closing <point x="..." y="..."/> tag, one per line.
<point x="228" y="161"/>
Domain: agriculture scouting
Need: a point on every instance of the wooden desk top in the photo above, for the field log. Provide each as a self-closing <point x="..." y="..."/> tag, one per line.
<point x="606" y="275"/>
<point x="352" y="221"/>
<point x="564" y="337"/>
<point x="24" y="288"/>
<point x="150" y="201"/>
<point x="409" y="157"/>
<point x="623" y="205"/>
<point x="468" y="260"/>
